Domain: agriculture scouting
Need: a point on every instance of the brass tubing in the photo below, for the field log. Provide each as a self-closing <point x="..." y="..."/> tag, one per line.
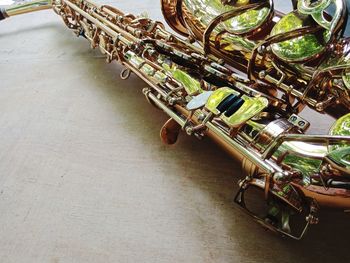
<point x="27" y="10"/>
<point x="166" y="109"/>
<point x="92" y="19"/>
<point x="325" y="198"/>
<point x="235" y="149"/>
<point x="145" y="79"/>
<point x="239" y="152"/>
<point x="303" y="138"/>
<point x="114" y="27"/>
<point x="28" y="7"/>
<point x="292" y="91"/>
<point x="214" y="134"/>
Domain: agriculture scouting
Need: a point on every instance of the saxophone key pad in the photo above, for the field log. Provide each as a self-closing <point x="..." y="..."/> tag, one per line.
<point x="199" y="101"/>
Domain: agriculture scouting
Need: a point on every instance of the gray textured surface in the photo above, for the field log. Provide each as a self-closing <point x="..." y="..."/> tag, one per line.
<point x="85" y="178"/>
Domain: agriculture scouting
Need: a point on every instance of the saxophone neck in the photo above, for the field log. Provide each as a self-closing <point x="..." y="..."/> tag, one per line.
<point x="25" y="7"/>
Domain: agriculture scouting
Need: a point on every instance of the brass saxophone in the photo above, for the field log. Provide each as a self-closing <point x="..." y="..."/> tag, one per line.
<point x="241" y="73"/>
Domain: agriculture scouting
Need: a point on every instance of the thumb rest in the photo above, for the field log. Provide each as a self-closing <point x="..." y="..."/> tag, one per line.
<point x="242" y="75"/>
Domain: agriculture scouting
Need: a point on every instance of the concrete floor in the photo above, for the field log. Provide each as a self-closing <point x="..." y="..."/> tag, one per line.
<point x="85" y="178"/>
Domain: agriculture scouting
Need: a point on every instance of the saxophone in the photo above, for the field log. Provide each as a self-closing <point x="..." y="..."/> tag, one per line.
<point x="241" y="73"/>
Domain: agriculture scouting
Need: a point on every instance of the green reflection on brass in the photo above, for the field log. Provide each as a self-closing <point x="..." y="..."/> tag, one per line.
<point x="250" y="108"/>
<point x="191" y="85"/>
<point x="299" y="48"/>
<point x="160" y="76"/>
<point x="346" y="80"/>
<point x="340" y="153"/>
<point x="206" y="10"/>
<point x="340" y="127"/>
<point x="310" y="7"/>
<point x="147" y="69"/>
<point x="316" y="10"/>
<point x="341" y="156"/>
<point x="230" y="42"/>
<point x="217" y="97"/>
<point x="307" y="166"/>
<point x="135" y="60"/>
<point x="247" y="21"/>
